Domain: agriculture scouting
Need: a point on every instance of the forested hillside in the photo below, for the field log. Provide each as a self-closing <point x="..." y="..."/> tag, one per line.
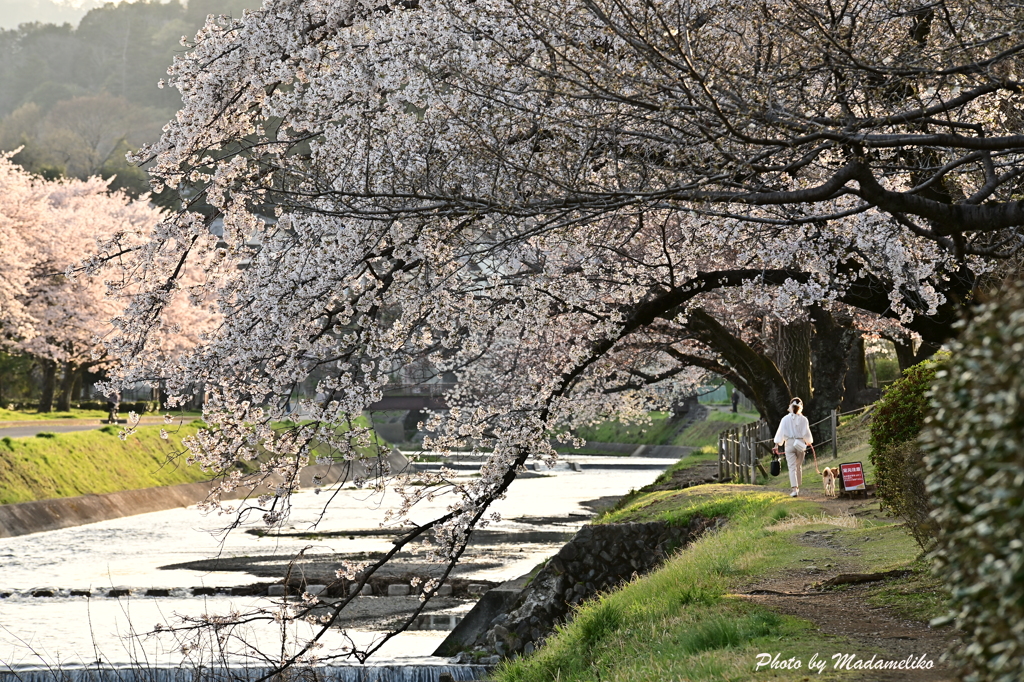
<point x="75" y="99"/>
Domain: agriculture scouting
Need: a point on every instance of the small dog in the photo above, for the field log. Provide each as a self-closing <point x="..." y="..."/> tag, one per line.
<point x="828" y="477"/>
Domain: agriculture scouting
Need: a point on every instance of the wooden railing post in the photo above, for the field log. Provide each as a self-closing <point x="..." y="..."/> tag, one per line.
<point x="835" y="433"/>
<point x="721" y="458"/>
<point x="733" y="451"/>
<point x="743" y="455"/>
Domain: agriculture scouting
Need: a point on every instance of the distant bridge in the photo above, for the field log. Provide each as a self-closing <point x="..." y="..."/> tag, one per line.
<point x="408" y="402"/>
<point x="418" y="397"/>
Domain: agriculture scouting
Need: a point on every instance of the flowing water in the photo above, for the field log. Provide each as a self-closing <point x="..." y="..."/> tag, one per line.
<point x="126" y="554"/>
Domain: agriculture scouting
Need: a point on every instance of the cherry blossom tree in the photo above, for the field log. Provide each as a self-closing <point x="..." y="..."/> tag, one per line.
<point x="570" y="206"/>
<point x="46" y="229"/>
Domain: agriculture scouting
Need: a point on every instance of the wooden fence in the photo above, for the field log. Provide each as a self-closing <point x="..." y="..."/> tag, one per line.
<point x="741" y="450"/>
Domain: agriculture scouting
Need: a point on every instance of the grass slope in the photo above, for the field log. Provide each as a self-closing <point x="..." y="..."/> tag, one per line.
<point x="687" y="620"/>
<point x="653" y="433"/>
<point x="705" y="433"/>
<point x="87" y="462"/>
<point x="93" y="462"/>
<point x="675" y="623"/>
<point x="27" y="415"/>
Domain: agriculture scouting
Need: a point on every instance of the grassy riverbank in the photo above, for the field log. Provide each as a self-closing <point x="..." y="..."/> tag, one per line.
<point x="653" y="433"/>
<point x="32" y="415"/>
<point x="713" y="608"/>
<point x="662" y="429"/>
<point x="705" y="432"/>
<point x="91" y="462"/>
<point x="52" y="465"/>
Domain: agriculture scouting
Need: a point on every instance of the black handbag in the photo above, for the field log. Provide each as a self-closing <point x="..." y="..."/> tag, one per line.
<point x="776" y="466"/>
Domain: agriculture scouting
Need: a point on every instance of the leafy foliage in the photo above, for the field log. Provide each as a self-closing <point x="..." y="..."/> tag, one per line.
<point x="974" y="446"/>
<point x="900" y="414"/>
<point x="906" y="496"/>
<point x="899" y="472"/>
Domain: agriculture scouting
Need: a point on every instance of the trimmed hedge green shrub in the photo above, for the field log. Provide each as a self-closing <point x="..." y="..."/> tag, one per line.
<point x="899" y="415"/>
<point x="899" y="472"/>
<point x="974" y="452"/>
<point x="908" y="499"/>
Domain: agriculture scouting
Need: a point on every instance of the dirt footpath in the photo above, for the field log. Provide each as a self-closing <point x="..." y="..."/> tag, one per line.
<point x="846" y="612"/>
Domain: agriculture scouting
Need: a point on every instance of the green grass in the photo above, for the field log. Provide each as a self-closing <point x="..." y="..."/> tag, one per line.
<point x="707" y="453"/>
<point x="919" y="597"/>
<point x="32" y="415"/>
<point x="690" y="461"/>
<point x="677" y="507"/>
<point x="705" y="433"/>
<point x="19" y="415"/>
<point x="87" y="462"/>
<point x="681" y="622"/>
<point x="615" y="431"/>
<point x="97" y="461"/>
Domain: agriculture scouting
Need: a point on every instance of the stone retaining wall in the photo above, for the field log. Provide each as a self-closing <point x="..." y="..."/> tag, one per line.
<point x="598" y="558"/>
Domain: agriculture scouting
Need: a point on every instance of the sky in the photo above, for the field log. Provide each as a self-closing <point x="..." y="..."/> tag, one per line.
<point x="15" y="12"/>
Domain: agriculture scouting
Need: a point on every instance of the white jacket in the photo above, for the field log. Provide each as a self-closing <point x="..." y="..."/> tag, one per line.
<point x="793" y="427"/>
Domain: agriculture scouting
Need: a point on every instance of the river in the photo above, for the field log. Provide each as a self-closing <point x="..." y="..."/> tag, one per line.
<point x="128" y="554"/>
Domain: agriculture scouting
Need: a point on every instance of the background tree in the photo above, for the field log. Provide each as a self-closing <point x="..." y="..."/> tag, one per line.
<point x="49" y="227"/>
<point x="77" y="99"/>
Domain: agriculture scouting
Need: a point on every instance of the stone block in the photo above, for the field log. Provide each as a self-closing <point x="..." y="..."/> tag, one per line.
<point x="476" y="589"/>
<point x="316" y="590"/>
<point x="366" y="591"/>
<point x="399" y="590"/>
<point x="353" y="588"/>
<point x="277" y="590"/>
<point x="444" y="591"/>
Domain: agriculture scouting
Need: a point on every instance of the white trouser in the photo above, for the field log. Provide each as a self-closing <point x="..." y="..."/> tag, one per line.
<point x="795" y="451"/>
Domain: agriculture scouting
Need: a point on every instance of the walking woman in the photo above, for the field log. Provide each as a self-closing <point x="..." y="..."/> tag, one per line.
<point x="795" y="435"/>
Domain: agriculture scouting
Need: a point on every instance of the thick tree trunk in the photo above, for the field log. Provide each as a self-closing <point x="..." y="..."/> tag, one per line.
<point x="904" y="351"/>
<point x="768" y="388"/>
<point x="857" y="393"/>
<point x="924" y="351"/>
<point x="830" y="347"/>
<point x="77" y="390"/>
<point x="67" y="384"/>
<point x="791" y="347"/>
<point x="49" y="385"/>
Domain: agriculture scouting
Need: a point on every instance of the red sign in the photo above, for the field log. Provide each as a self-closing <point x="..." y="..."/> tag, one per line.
<point x="853" y="476"/>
